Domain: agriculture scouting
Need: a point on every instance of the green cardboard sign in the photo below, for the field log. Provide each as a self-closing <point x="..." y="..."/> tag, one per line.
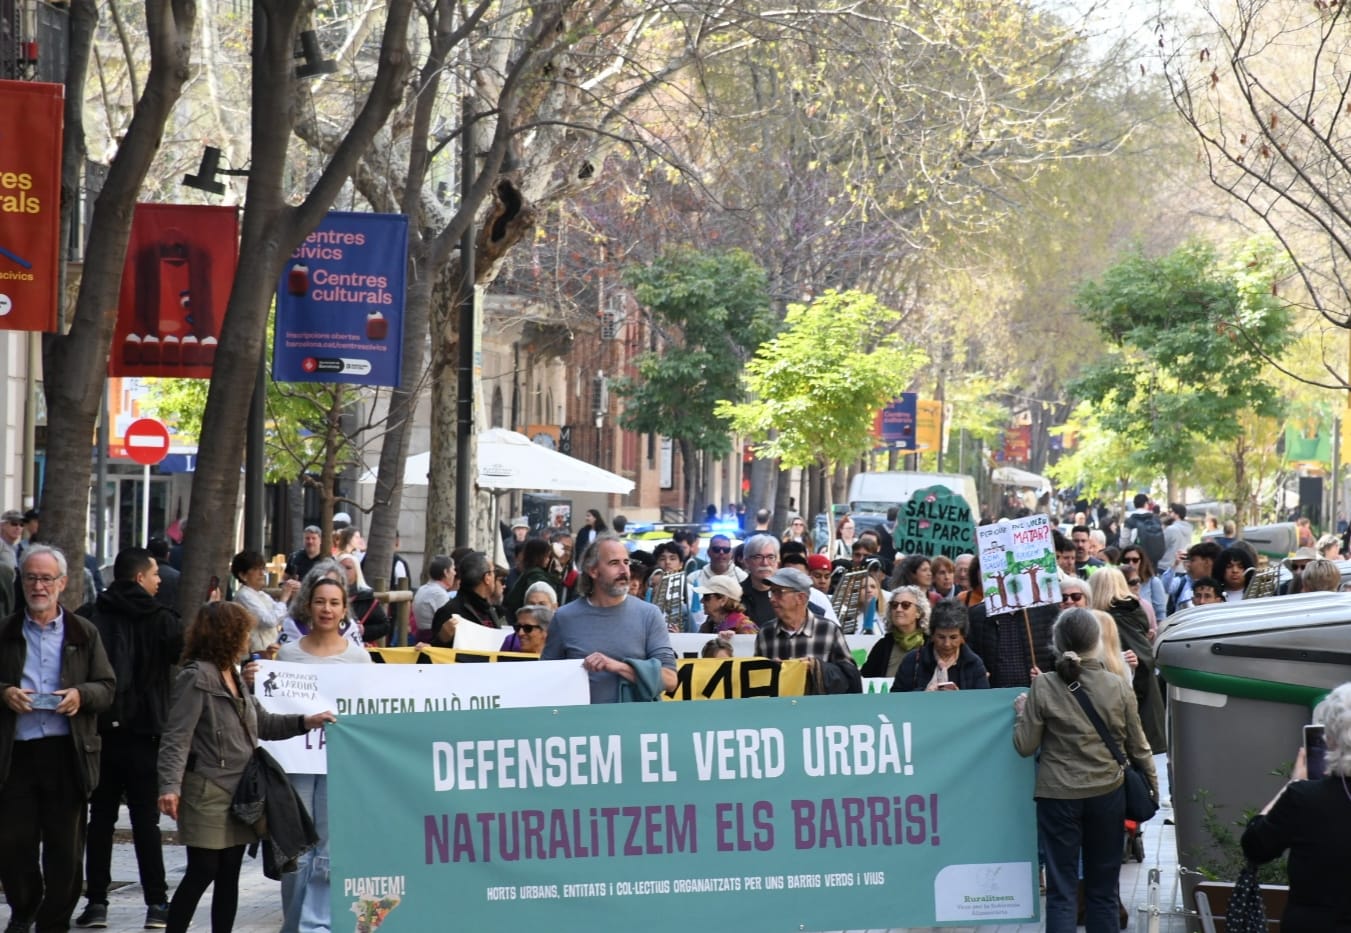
<point x="935" y="521"/>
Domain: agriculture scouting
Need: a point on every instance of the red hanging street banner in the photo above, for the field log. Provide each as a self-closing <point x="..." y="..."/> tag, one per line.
<point x="176" y="282"/>
<point x="31" y="116"/>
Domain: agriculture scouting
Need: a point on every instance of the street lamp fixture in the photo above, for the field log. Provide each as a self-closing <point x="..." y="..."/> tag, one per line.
<point x="205" y="179"/>
<point x="315" y="63"/>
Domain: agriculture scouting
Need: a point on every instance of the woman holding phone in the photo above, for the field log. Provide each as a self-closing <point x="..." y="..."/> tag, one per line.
<point x="1312" y="819"/>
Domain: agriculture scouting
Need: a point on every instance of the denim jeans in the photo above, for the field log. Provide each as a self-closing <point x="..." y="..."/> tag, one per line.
<point x="1094" y="828"/>
<point x="304" y="892"/>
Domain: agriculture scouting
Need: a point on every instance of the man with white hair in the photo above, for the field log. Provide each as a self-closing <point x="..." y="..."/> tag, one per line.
<point x="762" y="560"/>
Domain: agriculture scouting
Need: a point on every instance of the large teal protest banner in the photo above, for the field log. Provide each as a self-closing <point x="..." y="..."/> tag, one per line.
<point x="816" y="813"/>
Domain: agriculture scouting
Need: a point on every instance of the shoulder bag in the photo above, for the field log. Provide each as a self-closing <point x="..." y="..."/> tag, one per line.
<point x="1140" y="803"/>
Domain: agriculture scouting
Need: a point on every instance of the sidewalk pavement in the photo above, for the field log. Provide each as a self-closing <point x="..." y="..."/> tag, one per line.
<point x="260" y="898"/>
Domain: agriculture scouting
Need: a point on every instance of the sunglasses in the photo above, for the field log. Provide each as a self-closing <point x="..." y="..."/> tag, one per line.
<point x="13" y="521"/>
<point x="1071" y="597"/>
<point x="902" y="604"/>
<point x="1130" y="560"/>
<point x="526" y="628"/>
<point x="719" y="550"/>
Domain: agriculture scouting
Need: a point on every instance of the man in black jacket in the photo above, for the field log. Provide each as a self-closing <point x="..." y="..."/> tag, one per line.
<point x="471" y="602"/>
<point x="144" y="640"/>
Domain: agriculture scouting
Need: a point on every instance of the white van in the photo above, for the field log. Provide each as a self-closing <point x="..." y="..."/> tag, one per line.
<point x="877" y="492"/>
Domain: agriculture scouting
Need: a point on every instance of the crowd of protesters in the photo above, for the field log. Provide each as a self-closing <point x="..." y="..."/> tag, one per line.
<point x="172" y="701"/>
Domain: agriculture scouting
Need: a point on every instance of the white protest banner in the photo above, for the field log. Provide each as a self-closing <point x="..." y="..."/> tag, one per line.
<point x="1017" y="564"/>
<point x="470" y="636"/>
<point x="358" y="689"/>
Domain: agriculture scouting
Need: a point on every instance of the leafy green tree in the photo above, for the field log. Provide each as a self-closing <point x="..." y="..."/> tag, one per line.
<point x="711" y="310"/>
<point x="1190" y="337"/>
<point x="816" y="387"/>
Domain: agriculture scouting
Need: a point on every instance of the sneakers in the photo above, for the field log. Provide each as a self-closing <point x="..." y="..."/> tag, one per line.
<point x="95" y="915"/>
<point x="157" y="917"/>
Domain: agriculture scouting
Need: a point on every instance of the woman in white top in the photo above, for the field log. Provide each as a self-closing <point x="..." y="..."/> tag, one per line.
<point x="305" y="891"/>
<point x="250" y="573"/>
<point x="296" y="624"/>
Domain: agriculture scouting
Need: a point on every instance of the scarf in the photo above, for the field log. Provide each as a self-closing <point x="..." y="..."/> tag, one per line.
<point x="908" y="642"/>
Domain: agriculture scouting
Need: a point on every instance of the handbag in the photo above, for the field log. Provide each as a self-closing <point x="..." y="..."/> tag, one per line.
<point x="249" y="803"/>
<point x="1140" y="803"/>
<point x="1246" y="912"/>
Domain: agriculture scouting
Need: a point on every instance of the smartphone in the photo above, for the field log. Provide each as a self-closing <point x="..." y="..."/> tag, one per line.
<point x="212" y="586"/>
<point x="1315" y="752"/>
<point x="44" y="700"/>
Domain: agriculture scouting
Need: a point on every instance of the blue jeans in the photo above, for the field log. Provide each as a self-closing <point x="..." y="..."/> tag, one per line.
<point x="1091" y="827"/>
<point x="304" y="892"/>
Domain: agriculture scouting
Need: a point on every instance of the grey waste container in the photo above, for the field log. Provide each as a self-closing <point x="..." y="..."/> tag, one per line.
<point x="1243" y="679"/>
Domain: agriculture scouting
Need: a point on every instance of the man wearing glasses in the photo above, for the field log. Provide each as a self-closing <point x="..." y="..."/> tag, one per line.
<point x="797" y="633"/>
<point x="719" y="562"/>
<point x="762" y="560"/>
<point x="54" y="681"/>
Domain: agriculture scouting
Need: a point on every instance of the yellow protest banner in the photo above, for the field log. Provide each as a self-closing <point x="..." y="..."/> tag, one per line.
<point x="729" y="678"/>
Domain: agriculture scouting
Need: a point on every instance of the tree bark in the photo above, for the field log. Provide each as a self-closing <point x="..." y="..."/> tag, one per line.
<point x="271" y="231"/>
<point x="75" y="363"/>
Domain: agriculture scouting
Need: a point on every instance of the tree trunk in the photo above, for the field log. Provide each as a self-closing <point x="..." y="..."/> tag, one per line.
<point x="271" y="231"/>
<point x="75" y="363"/>
<point x="764" y="473"/>
<point x="689" y="474"/>
<point x="441" y="517"/>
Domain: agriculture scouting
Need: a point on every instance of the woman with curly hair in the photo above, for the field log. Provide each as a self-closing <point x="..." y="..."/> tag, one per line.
<point x="213" y="726"/>
<point x="905" y="629"/>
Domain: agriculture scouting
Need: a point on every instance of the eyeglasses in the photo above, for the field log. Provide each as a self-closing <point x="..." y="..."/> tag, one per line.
<point x="33" y="579"/>
<point x="525" y="628"/>
<point x="1071" y="597"/>
<point x="719" y="550"/>
<point x="1132" y="582"/>
<point x="780" y="591"/>
<point x="763" y="558"/>
<point x="902" y="604"/>
<point x="1130" y="560"/>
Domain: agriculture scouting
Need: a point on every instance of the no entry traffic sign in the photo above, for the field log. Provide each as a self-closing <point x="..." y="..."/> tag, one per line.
<point x="146" y="441"/>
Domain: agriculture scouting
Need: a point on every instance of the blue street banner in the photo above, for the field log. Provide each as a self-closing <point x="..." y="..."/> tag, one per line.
<point x="340" y="302"/>
<point x="820" y="813"/>
<point x="894" y="425"/>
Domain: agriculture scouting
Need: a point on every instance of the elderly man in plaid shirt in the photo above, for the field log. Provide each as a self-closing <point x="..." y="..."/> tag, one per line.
<point x="798" y="633"/>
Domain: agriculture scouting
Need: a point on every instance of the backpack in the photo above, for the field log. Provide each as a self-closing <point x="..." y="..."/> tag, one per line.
<point x="1149" y="535"/>
<point x="1175" y="594"/>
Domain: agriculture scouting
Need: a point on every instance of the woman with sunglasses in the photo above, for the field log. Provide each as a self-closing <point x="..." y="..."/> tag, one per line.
<point x="904" y="630"/>
<point x="532" y="627"/>
<point x="1134" y="560"/>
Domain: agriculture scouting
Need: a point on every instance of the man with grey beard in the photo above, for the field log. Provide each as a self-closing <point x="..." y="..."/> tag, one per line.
<point x="622" y="641"/>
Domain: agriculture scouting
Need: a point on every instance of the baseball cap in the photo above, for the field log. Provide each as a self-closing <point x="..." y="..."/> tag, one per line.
<point x="11" y="515"/>
<point x="721" y="585"/>
<point x="520" y="521"/>
<point x="341" y="518"/>
<point x="818" y="562"/>
<point x="790" y="578"/>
